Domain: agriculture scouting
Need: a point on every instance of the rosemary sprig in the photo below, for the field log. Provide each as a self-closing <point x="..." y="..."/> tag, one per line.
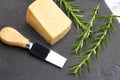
<point x="86" y="33"/>
<point x="100" y="39"/>
<point x="73" y="11"/>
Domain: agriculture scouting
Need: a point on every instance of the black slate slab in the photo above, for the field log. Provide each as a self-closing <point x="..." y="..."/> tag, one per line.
<point x="18" y="64"/>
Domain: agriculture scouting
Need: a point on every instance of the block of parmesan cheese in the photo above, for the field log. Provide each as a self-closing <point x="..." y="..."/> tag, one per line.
<point x="48" y="20"/>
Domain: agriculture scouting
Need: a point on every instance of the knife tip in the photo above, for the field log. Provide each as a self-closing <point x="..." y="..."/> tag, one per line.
<point x="56" y="59"/>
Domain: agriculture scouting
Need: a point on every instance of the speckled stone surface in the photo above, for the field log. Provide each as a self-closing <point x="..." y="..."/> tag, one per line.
<point x="17" y="64"/>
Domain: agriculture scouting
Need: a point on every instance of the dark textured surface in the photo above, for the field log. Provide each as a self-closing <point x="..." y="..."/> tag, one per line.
<point x="17" y="64"/>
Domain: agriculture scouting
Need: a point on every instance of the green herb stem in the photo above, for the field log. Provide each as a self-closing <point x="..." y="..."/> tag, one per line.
<point x="86" y="56"/>
<point x="101" y="37"/>
<point x="73" y="10"/>
<point x="86" y="33"/>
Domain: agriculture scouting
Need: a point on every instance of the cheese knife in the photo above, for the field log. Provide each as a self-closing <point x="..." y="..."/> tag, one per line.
<point x="12" y="37"/>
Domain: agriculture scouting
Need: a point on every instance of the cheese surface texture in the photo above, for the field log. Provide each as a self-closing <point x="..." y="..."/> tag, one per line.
<point x="48" y="20"/>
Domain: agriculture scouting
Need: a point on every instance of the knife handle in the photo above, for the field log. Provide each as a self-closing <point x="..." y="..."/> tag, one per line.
<point x="12" y="37"/>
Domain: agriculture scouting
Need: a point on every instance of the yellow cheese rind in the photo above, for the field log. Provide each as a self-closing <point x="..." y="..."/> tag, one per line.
<point x="48" y="20"/>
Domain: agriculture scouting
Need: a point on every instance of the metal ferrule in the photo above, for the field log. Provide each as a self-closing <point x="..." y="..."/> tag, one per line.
<point x="29" y="45"/>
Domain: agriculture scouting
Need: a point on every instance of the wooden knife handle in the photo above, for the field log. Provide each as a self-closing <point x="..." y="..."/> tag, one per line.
<point x="12" y="37"/>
